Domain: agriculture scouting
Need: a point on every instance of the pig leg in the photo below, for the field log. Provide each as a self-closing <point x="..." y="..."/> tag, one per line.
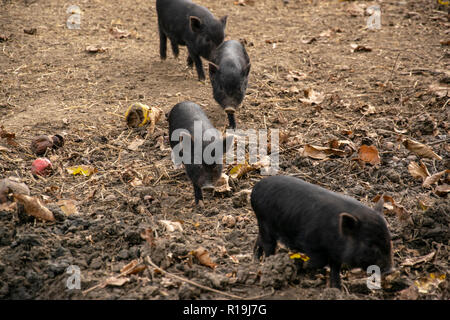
<point x="190" y="62"/>
<point x="231" y="120"/>
<point x="162" y="44"/>
<point x="257" y="249"/>
<point x="335" y="275"/>
<point x="265" y="242"/>
<point x="198" y="64"/>
<point x="175" y="49"/>
<point x="198" y="195"/>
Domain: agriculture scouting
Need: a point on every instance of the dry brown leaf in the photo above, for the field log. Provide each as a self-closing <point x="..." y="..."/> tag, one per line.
<point x="315" y="152"/>
<point x="416" y="260"/>
<point x="171" y="226"/>
<point x="348" y="146"/>
<point x="336" y="144"/>
<point x="401" y="213"/>
<point x="68" y="207"/>
<point x="264" y="165"/>
<point x="240" y="169"/>
<point x="133" y="267"/>
<point x="10" y="137"/>
<point x="442" y="190"/>
<point x="136" y="182"/>
<point x="283" y="137"/>
<point x="203" y="257"/>
<point x="312" y="97"/>
<point x="429" y="181"/>
<point x="347" y="132"/>
<point x="321" y="153"/>
<point x="424" y="204"/>
<point x="420" y="149"/>
<point x="430" y="283"/>
<point x="439" y="90"/>
<point x="155" y="114"/>
<point x="8" y="206"/>
<point x="34" y="207"/>
<point x="134" y="146"/>
<point x="119" y="33"/>
<point x="410" y="293"/>
<point x="234" y="259"/>
<point x="160" y="144"/>
<point x="12" y="185"/>
<point x="369" y="154"/>
<point x="116" y="282"/>
<point x="388" y="201"/>
<point x="295" y="141"/>
<point x="222" y="184"/>
<point x="418" y="171"/>
<point x="147" y="234"/>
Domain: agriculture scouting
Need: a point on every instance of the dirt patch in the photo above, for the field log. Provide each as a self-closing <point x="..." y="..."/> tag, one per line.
<point x="50" y="84"/>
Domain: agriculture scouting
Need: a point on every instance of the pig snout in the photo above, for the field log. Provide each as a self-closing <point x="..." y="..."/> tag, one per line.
<point x="230" y="109"/>
<point x="207" y="187"/>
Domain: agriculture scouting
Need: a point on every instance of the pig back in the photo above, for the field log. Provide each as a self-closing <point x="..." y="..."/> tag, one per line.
<point x="301" y="214"/>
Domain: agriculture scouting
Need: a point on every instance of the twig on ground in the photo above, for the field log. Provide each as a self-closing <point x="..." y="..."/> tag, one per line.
<point x="151" y="263"/>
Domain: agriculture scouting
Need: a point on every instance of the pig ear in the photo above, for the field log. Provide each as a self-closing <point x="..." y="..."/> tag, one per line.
<point x="227" y="143"/>
<point x="348" y="224"/>
<point x="379" y="206"/>
<point x="247" y="70"/>
<point x="195" y="23"/>
<point x="213" y="68"/>
<point x="223" y="20"/>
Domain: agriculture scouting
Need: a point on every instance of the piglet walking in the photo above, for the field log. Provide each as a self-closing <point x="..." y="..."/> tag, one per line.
<point x="188" y="24"/>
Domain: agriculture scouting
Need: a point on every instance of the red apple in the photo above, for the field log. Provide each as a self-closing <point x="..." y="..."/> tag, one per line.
<point x="41" y="167"/>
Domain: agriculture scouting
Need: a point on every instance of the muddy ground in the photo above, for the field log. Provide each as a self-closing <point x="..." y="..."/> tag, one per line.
<point x="50" y="84"/>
